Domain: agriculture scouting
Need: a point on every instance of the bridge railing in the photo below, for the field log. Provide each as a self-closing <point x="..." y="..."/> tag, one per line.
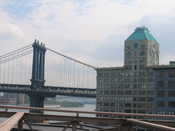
<point x="10" y="123"/>
<point x="123" y="124"/>
<point x="95" y="113"/>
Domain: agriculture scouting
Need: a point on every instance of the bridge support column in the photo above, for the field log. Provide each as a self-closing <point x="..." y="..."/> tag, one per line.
<point x="36" y="101"/>
<point x="37" y="81"/>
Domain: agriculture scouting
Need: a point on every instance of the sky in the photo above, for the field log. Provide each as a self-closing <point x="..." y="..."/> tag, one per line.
<point x="89" y="30"/>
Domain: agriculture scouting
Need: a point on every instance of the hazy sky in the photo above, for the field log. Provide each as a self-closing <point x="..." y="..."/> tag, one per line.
<point x="90" y="30"/>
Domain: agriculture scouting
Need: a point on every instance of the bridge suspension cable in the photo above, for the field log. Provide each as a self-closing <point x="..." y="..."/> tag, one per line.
<point x="26" y="50"/>
<point x="65" y="71"/>
<point x="16" y="51"/>
<point x="13" y="65"/>
<point x="15" y="56"/>
<point x="73" y="59"/>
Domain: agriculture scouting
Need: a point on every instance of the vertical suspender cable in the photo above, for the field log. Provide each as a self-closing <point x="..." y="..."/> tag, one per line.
<point x="68" y="73"/>
<point x="7" y="72"/>
<point x="12" y="75"/>
<point x="4" y="73"/>
<point x="25" y="69"/>
<point x="14" y="69"/>
<point x="61" y="71"/>
<point x="74" y="84"/>
<point x="0" y="73"/>
<point x="20" y="72"/>
<point x="4" y="65"/>
<point x="84" y="74"/>
<point x="57" y="72"/>
<point x="65" y="73"/>
<point x="75" y="76"/>
<point x="72" y="74"/>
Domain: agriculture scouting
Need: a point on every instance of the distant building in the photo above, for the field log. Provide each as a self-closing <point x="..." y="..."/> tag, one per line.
<point x="21" y="99"/>
<point x="7" y="98"/>
<point x="141" y="85"/>
<point x="13" y="98"/>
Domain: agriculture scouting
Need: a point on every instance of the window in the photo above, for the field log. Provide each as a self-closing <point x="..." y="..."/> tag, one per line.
<point x="160" y="74"/>
<point x="142" y="46"/>
<point x="141" y="98"/>
<point x="120" y="92"/>
<point x="129" y="53"/>
<point x="106" y="104"/>
<point x="171" y="84"/>
<point x="113" y="92"/>
<point x="128" y="105"/>
<point x="171" y="104"/>
<point x="171" y="73"/>
<point x="141" y="67"/>
<point x="160" y="84"/>
<point x="135" y="45"/>
<point x="100" y="74"/>
<point x="128" y="92"/>
<point x="161" y="93"/>
<point x="149" y="99"/>
<point x="142" y="92"/>
<point x="106" y="92"/>
<point x="161" y="104"/>
<point x="171" y="93"/>
<point x="128" y="111"/>
<point x="141" y="111"/>
<point x="142" y="53"/>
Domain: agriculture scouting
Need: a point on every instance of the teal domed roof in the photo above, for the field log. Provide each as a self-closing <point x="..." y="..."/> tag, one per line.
<point x="141" y="33"/>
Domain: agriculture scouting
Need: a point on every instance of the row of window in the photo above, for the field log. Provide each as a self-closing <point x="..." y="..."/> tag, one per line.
<point x="166" y="104"/>
<point x="166" y="93"/>
<point x="125" y="92"/>
<point x="143" y="99"/>
<point x="105" y="104"/>
<point x="126" y="105"/>
<point x="170" y="73"/>
<point x="130" y="54"/>
<point x="163" y="84"/>
<point x="136" y="46"/>
<point x="159" y="74"/>
<point x="159" y="84"/>
<point x="127" y="74"/>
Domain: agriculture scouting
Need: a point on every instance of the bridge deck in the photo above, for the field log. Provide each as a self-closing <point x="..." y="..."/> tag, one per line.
<point x="48" y="90"/>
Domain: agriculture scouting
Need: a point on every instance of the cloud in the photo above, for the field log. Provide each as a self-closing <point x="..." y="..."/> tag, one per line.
<point x="8" y="30"/>
<point x="84" y="29"/>
<point x="97" y="21"/>
<point x="156" y="7"/>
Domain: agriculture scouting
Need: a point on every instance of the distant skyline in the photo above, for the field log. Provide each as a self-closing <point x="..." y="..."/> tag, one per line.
<point x="90" y="30"/>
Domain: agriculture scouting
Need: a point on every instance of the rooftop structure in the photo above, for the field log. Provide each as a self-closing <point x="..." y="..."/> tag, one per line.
<point x="141" y="33"/>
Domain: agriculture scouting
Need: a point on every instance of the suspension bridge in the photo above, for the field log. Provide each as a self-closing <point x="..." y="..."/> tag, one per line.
<point x="41" y="72"/>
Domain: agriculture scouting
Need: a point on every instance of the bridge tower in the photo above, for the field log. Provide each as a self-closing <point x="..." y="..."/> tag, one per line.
<point x="37" y="81"/>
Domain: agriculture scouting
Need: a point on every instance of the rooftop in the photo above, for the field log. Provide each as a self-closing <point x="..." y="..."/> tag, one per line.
<point x="141" y="33"/>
